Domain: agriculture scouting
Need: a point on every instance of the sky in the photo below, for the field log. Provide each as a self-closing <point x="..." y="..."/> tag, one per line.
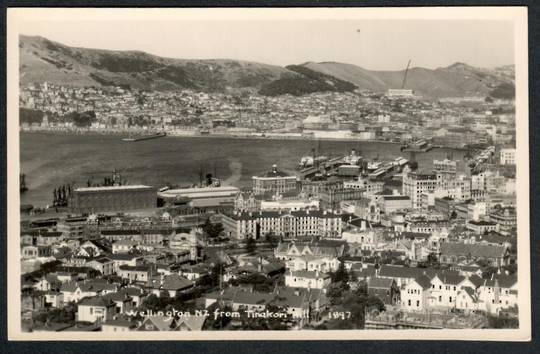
<point x="372" y="44"/>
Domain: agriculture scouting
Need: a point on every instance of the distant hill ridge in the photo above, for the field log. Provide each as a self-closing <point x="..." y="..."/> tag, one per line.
<point x="45" y="60"/>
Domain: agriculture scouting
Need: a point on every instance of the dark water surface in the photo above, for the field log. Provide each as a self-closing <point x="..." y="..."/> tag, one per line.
<point x="49" y="160"/>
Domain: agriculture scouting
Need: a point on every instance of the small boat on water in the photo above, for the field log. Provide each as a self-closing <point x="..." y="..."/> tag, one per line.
<point x="145" y="137"/>
<point x="22" y="183"/>
<point x="417" y="146"/>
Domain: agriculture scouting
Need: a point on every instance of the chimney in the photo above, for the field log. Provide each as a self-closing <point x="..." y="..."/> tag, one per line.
<point x="363" y="225"/>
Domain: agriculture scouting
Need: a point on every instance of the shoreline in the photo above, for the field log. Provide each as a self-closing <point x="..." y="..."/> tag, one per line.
<point x="222" y="136"/>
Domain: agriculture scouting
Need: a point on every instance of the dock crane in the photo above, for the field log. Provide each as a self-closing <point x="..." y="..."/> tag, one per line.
<point x="405" y="75"/>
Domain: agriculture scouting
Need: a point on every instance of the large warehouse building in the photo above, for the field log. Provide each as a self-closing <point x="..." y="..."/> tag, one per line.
<point x="113" y="198"/>
<point x="215" y="198"/>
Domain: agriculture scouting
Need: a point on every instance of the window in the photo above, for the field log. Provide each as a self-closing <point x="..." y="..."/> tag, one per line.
<point x="440" y="298"/>
<point x="417" y="303"/>
<point x="409" y="302"/>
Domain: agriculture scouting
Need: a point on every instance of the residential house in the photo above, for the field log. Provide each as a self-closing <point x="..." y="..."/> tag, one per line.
<point x="414" y="295"/>
<point x="307" y="279"/>
<point x="53" y="299"/>
<point x="124" y="246"/>
<point x="498" y="293"/>
<point x="123" y="302"/>
<point x="385" y="289"/>
<point x="104" y="265"/>
<point x="118" y="325"/>
<point x="173" y="284"/>
<point x="460" y="252"/>
<point x="75" y="291"/>
<point x="95" y="309"/>
<point x="135" y="274"/>
<point x="157" y="323"/>
<point x="190" y="323"/>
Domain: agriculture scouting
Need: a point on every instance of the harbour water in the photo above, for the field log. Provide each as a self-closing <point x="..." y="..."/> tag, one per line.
<point x="50" y="160"/>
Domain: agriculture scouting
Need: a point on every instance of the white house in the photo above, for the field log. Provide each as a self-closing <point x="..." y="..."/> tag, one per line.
<point x="307" y="279"/>
<point x="414" y="295"/>
<point x="123" y="246"/>
<point x="95" y="309"/>
<point x="498" y="293"/>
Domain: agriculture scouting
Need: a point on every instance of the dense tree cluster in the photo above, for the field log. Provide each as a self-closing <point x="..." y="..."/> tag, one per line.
<point x="30" y="116"/>
<point x="504" y="91"/>
<point x="212" y="230"/>
<point x="251" y="245"/>
<point x="307" y="81"/>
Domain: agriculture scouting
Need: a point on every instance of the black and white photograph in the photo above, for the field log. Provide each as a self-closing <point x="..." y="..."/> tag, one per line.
<point x="268" y="173"/>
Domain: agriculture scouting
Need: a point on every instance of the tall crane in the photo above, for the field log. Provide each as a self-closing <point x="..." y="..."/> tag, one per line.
<point x="405" y="76"/>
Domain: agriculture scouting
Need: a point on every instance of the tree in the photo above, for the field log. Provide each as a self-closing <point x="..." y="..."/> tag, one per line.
<point x="212" y="230"/>
<point x="152" y="302"/>
<point x="334" y="294"/>
<point x="342" y="276"/>
<point x="220" y="322"/>
<point x="211" y="279"/>
<point x="504" y="91"/>
<point x="93" y="273"/>
<point x="30" y="116"/>
<point x="251" y="245"/>
<point x="433" y="260"/>
<point x="84" y="119"/>
<point x="272" y="239"/>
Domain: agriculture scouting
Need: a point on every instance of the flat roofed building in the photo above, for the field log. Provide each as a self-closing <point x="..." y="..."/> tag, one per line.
<point x="415" y="184"/>
<point x="400" y="93"/>
<point x="288" y="224"/>
<point x="508" y="156"/>
<point x="203" y="197"/>
<point x="275" y="181"/>
<point x="445" y="166"/>
<point x="113" y="198"/>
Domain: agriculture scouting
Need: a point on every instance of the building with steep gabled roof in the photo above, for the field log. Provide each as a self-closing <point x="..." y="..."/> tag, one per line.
<point x="157" y="323"/>
<point x="457" y="252"/>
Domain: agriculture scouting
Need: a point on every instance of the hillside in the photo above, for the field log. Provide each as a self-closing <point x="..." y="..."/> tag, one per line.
<point x="44" y="60"/>
<point x="456" y="80"/>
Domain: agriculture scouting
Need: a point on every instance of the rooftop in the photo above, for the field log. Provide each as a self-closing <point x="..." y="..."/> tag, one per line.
<point x="112" y="188"/>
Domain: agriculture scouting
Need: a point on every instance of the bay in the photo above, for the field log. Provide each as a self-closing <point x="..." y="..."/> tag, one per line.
<point x="49" y="160"/>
